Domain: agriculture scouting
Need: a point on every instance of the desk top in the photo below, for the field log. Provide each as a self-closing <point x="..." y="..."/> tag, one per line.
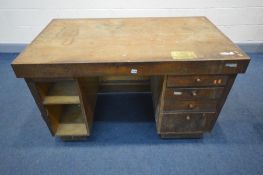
<point x="129" y="40"/>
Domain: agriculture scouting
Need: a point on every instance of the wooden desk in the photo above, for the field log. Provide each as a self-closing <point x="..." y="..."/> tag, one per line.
<point x="187" y="64"/>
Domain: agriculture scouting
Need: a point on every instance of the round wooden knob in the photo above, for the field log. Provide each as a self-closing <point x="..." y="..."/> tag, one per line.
<point x="194" y="93"/>
<point x="191" y="106"/>
<point x="198" y="80"/>
<point x="215" y="82"/>
<point x="188" y="117"/>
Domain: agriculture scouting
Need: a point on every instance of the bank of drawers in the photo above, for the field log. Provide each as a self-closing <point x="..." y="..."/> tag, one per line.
<point x="190" y="102"/>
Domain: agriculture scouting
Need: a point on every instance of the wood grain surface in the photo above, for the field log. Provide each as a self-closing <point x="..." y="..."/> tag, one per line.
<point x="129" y="40"/>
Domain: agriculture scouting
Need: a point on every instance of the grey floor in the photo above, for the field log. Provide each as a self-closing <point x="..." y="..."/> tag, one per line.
<point x="124" y="139"/>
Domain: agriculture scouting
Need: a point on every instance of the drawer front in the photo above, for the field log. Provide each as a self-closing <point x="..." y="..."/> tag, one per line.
<point x="185" y="122"/>
<point x="193" y="93"/>
<point x="190" y="105"/>
<point x="195" y="81"/>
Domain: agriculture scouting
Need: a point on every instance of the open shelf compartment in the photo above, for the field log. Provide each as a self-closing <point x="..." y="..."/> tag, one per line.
<point x="67" y="120"/>
<point x="58" y="92"/>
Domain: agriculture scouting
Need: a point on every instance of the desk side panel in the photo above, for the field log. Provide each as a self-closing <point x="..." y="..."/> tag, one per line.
<point x="36" y="95"/>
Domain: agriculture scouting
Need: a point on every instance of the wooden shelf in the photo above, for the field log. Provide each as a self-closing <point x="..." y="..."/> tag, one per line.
<point x="52" y="100"/>
<point x="61" y="92"/>
<point x="72" y="130"/>
<point x="63" y="88"/>
<point x="67" y="105"/>
<point x="71" y="122"/>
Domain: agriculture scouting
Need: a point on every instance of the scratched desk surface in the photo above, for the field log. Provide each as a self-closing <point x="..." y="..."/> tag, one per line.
<point x="129" y="40"/>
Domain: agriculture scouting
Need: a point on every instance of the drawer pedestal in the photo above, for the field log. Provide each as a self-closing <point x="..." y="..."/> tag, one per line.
<point x="189" y="105"/>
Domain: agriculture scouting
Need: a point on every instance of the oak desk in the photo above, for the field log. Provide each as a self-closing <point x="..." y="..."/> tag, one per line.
<point x="187" y="64"/>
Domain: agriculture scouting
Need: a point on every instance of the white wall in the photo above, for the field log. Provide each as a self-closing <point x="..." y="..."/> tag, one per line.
<point x="22" y="20"/>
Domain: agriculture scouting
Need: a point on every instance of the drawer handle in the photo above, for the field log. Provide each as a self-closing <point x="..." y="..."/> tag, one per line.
<point x="134" y="71"/>
<point x="219" y="81"/>
<point x="231" y="65"/>
<point x="177" y="93"/>
<point x="188" y="117"/>
<point x="194" y="93"/>
<point x="198" y="80"/>
<point x="191" y="106"/>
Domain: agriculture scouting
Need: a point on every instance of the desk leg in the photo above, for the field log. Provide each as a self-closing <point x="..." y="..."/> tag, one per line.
<point x="37" y="97"/>
<point x="66" y="105"/>
<point x="222" y="100"/>
<point x="88" y="88"/>
<point x="158" y="84"/>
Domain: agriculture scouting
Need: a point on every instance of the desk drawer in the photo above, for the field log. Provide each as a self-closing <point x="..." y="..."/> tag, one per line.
<point x="185" y="122"/>
<point x="190" y="105"/>
<point x="193" y="93"/>
<point x="202" y="80"/>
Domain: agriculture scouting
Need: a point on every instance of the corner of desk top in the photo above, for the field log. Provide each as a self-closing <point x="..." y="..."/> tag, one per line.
<point x="16" y="64"/>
